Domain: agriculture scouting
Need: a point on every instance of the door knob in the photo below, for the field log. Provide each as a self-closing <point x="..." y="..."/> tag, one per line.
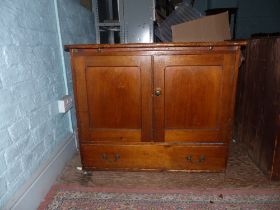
<point x="158" y="92"/>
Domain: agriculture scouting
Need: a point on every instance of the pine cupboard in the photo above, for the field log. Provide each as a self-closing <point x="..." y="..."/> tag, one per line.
<point x="155" y="106"/>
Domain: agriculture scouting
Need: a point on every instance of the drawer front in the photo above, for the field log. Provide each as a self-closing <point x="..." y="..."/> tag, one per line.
<point x="153" y="157"/>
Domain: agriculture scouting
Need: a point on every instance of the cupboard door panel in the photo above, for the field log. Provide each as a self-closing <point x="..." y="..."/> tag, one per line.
<point x="111" y="91"/>
<point x="116" y="104"/>
<point x="196" y="93"/>
<point x="192" y="96"/>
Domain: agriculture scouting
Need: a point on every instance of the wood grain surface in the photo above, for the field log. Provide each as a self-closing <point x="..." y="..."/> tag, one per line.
<point x="155" y="106"/>
<point x="260" y="104"/>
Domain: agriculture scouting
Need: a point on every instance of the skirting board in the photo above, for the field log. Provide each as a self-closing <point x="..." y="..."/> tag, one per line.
<point x="32" y="194"/>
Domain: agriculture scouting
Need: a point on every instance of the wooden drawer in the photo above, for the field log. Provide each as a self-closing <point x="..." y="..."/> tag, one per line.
<point x="153" y="157"/>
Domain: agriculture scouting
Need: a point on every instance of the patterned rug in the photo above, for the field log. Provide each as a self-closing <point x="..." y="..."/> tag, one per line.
<point x="84" y="198"/>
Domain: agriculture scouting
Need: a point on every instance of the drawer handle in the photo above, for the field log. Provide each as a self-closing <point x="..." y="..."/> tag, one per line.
<point x="117" y="157"/>
<point x="105" y="157"/>
<point x="201" y="159"/>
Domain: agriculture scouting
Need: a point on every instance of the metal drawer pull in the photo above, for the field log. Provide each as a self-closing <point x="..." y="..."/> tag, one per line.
<point x="117" y="157"/>
<point x="189" y="158"/>
<point x="200" y="159"/>
<point x="105" y="157"/>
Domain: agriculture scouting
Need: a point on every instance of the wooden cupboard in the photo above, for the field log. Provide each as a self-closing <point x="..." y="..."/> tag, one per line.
<point x="155" y="106"/>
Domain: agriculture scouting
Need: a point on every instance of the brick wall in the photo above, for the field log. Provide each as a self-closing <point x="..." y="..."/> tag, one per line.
<point x="31" y="82"/>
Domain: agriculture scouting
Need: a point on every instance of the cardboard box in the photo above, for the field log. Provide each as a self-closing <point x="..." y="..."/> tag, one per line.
<point x="208" y="28"/>
<point x="87" y="4"/>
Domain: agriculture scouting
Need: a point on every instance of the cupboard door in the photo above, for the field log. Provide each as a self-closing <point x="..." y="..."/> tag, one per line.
<point x="113" y="98"/>
<point x="193" y="97"/>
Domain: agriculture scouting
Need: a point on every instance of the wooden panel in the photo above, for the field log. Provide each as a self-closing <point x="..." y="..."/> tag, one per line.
<point x="113" y="94"/>
<point x="230" y="74"/>
<point x="154" y="51"/>
<point x="181" y="135"/>
<point x="260" y="104"/>
<point x="196" y="96"/>
<point x="275" y="169"/>
<point x="113" y="60"/>
<point x="239" y="97"/>
<point x="79" y="79"/>
<point x="116" y="134"/>
<point x="83" y="126"/>
<point x="192" y="96"/>
<point x="192" y="60"/>
<point x="161" y="157"/>
<point x="147" y="98"/>
<point x="114" y="97"/>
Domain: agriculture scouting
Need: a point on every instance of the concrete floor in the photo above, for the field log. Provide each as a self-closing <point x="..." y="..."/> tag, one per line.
<point x="241" y="172"/>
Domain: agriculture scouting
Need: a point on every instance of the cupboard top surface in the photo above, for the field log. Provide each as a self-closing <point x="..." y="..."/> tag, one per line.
<point x="156" y="45"/>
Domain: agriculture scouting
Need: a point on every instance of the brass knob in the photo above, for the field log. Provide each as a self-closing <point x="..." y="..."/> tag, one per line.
<point x="158" y="92"/>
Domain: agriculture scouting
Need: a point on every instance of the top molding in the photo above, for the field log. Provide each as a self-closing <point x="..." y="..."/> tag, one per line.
<point x="156" y="45"/>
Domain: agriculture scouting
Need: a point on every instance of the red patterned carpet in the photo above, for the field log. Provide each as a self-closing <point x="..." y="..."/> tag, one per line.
<point x="83" y="198"/>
